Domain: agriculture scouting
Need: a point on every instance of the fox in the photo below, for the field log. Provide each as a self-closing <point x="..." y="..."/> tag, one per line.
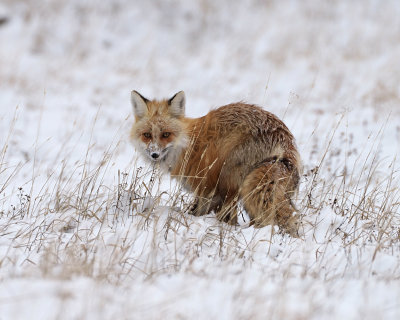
<point x="237" y="154"/>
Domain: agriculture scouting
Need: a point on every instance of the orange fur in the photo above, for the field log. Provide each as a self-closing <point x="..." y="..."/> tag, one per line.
<point x="236" y="152"/>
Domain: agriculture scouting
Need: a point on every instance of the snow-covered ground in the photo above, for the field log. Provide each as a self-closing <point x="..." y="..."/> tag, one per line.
<point x="88" y="232"/>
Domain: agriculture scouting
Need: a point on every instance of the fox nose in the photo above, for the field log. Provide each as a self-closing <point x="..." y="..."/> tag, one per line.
<point x="155" y="155"/>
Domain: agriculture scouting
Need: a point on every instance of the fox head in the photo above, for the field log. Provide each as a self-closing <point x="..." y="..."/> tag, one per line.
<point x="159" y="131"/>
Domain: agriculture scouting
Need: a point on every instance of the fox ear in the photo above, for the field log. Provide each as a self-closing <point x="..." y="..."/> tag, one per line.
<point x="177" y="104"/>
<point x="139" y="104"/>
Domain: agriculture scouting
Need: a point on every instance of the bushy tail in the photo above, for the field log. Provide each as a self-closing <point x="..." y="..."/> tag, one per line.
<point x="267" y="192"/>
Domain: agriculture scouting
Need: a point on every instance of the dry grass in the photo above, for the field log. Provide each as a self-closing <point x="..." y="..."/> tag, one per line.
<point x="78" y="224"/>
<point x="136" y="228"/>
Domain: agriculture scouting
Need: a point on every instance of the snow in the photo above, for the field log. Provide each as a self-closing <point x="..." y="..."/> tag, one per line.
<point x="87" y="230"/>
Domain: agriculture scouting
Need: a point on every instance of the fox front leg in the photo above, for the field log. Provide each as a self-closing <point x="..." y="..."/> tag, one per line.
<point x="202" y="206"/>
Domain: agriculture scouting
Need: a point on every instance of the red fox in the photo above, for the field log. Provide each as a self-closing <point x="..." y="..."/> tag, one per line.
<point x="238" y="152"/>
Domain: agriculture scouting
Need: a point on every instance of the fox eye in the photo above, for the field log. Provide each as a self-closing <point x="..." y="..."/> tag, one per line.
<point x="147" y="135"/>
<point x="166" y="134"/>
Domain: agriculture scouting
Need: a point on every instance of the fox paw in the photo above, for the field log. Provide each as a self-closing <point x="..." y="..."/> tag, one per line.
<point x="291" y="226"/>
<point x="199" y="207"/>
<point x="192" y="208"/>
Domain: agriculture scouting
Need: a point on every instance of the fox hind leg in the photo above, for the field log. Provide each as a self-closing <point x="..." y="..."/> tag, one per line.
<point x="266" y="194"/>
